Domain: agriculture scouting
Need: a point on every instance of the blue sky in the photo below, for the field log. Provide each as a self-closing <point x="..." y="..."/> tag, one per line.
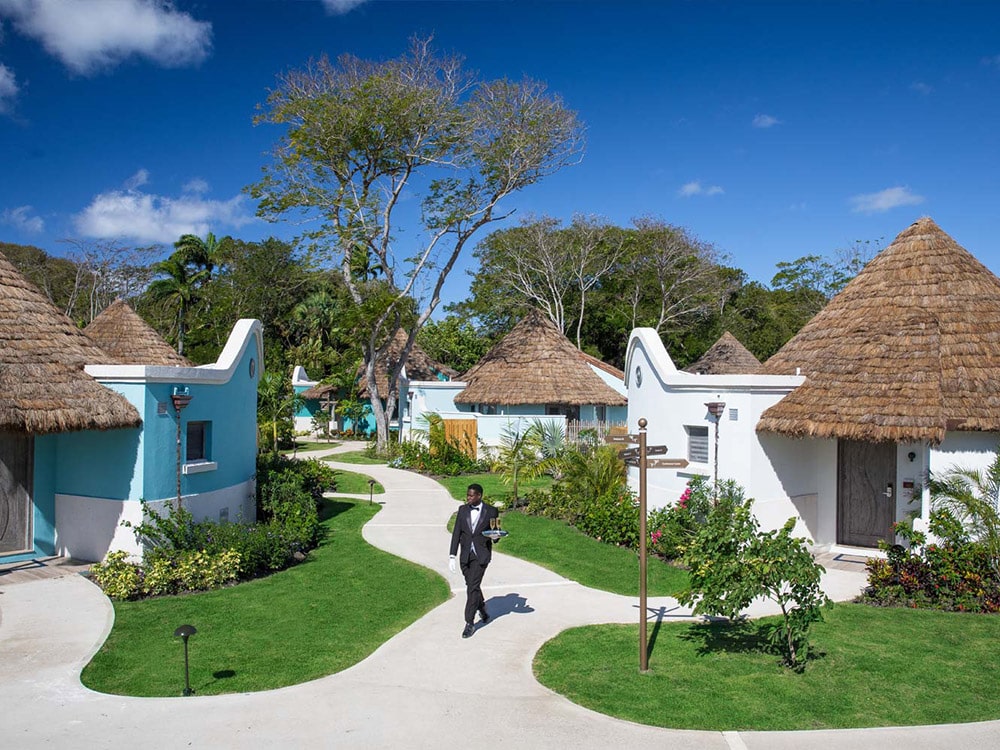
<point x="772" y="130"/>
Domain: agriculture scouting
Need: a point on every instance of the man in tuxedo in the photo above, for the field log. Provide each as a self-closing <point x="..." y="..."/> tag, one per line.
<point x="474" y="552"/>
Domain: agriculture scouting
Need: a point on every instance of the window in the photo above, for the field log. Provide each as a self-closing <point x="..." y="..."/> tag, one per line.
<point x="570" y="411"/>
<point x="697" y="444"/>
<point x="601" y="413"/>
<point x="197" y="441"/>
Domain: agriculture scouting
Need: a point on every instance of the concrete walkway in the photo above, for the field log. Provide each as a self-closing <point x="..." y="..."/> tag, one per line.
<point x="425" y="688"/>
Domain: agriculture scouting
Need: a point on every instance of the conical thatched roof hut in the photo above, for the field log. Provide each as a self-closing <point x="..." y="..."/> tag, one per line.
<point x="419" y="366"/>
<point x="907" y="351"/>
<point x="129" y="340"/>
<point x="43" y="388"/>
<point x="727" y="356"/>
<point x="536" y="364"/>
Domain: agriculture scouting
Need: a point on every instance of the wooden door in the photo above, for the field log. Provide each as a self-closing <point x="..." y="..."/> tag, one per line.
<point x="866" y="492"/>
<point x="16" y="469"/>
<point x="462" y="433"/>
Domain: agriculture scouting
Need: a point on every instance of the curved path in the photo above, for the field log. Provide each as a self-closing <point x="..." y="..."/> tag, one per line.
<point x="424" y="688"/>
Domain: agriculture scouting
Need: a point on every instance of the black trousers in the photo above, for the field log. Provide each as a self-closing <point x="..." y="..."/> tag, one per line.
<point x="474" y="600"/>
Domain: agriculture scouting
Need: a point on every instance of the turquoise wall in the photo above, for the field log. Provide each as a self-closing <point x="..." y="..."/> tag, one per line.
<point x="309" y="406"/>
<point x="231" y="443"/>
<point x="142" y="463"/>
<point x="103" y="463"/>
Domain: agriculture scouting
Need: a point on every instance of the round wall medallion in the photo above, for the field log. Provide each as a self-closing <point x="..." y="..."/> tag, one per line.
<point x="253" y="367"/>
<point x="638" y="377"/>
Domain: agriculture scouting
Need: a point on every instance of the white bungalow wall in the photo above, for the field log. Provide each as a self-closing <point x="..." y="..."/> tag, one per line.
<point x="788" y="478"/>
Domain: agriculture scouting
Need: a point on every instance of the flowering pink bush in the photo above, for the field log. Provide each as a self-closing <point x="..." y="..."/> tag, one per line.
<point x="674" y="525"/>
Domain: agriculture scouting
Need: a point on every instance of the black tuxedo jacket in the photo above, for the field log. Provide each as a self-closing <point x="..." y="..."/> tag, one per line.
<point x="462" y="536"/>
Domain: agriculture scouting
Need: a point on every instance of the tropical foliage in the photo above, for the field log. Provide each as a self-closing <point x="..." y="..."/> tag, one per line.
<point x="957" y="568"/>
<point x="182" y="554"/>
<point x="731" y="562"/>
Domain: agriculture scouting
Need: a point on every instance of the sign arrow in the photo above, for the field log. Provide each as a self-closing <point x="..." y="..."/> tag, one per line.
<point x="621" y="439"/>
<point x="666" y="463"/>
<point x="629" y="453"/>
<point x="656" y="450"/>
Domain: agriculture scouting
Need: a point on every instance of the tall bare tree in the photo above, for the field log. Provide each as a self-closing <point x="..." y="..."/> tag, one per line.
<point x="672" y="275"/>
<point x="363" y="136"/>
<point x="105" y="271"/>
<point x="553" y="267"/>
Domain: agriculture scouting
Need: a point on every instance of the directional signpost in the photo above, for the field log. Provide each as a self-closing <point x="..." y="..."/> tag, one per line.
<point x="639" y="457"/>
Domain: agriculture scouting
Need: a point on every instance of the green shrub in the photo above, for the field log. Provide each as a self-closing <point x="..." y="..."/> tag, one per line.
<point x="956" y="574"/>
<point x="612" y="517"/>
<point x="184" y="555"/>
<point x="672" y="528"/>
<point x="160" y="576"/>
<point x="731" y="562"/>
<point x="446" y="460"/>
<point x="117" y="576"/>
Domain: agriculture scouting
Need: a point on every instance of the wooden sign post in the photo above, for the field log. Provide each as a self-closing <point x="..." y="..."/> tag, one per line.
<point x="638" y="457"/>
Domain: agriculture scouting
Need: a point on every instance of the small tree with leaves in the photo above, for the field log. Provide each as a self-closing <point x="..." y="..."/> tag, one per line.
<point x="732" y="562"/>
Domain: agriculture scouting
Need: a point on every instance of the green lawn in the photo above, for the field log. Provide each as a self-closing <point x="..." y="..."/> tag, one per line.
<point x="572" y="554"/>
<point x="312" y="620"/>
<point x="355" y="484"/>
<point x="493" y="486"/>
<point x="355" y="457"/>
<point x="564" y="550"/>
<point x="310" y="446"/>
<point x="874" y="667"/>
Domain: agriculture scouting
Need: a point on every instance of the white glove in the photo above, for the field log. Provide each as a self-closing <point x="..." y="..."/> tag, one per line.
<point x="451" y="564"/>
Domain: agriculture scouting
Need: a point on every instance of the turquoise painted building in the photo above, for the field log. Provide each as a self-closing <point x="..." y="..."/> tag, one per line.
<point x="419" y="366"/>
<point x="82" y="443"/>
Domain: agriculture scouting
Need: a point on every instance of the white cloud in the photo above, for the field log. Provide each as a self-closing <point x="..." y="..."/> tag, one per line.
<point x="143" y="217"/>
<point x="20" y="218"/>
<point x="197" y="186"/>
<point x="992" y="62"/>
<point x="696" y="188"/>
<point x="340" y="7"/>
<point x="921" y="88"/>
<point x="765" y="121"/>
<point x="137" y="180"/>
<point x="884" y="200"/>
<point x="8" y="88"/>
<point x="91" y="35"/>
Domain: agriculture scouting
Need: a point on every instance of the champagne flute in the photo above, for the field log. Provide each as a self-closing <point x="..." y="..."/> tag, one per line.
<point x="493" y="523"/>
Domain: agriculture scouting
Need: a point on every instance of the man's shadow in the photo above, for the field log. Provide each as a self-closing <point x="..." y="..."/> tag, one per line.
<point x="508" y="604"/>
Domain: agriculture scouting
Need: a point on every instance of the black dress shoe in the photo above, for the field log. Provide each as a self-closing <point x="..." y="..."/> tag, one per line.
<point x="469" y="630"/>
<point x="484" y="616"/>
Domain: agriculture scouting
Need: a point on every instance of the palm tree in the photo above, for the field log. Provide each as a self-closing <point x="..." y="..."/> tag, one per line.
<point x="177" y="287"/>
<point x="276" y="402"/>
<point x="317" y="317"/>
<point x="204" y="254"/>
<point x="970" y="496"/>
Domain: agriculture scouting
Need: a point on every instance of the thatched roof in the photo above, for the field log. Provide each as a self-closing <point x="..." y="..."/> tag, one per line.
<point x="536" y="364"/>
<point x="129" y="340"/>
<point x="727" y="356"/>
<point x="43" y="388"/>
<point x="419" y="366"/>
<point x="908" y="350"/>
<point x="318" y="391"/>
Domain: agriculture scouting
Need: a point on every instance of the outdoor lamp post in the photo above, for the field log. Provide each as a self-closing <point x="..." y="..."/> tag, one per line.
<point x="185" y="632"/>
<point x="371" y="490"/>
<point x="716" y="408"/>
